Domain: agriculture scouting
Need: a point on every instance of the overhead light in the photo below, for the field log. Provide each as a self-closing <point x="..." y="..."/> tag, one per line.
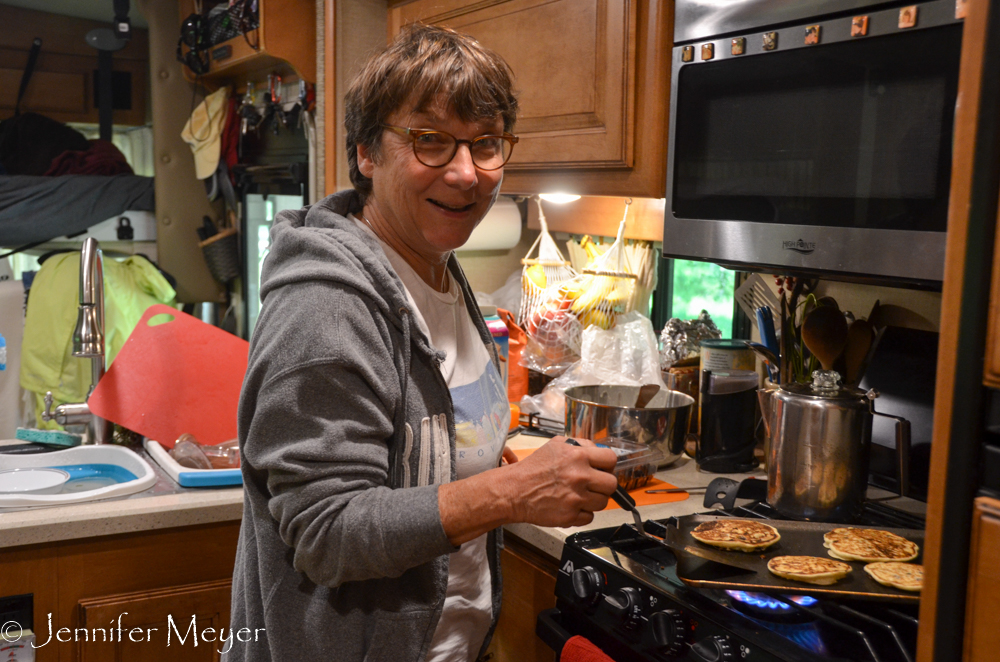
<point x="559" y="198"/>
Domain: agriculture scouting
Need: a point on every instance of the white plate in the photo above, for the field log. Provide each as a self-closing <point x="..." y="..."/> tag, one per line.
<point x="32" y="481"/>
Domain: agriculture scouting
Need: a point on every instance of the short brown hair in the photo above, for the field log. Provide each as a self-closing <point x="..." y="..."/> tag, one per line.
<point x="421" y="64"/>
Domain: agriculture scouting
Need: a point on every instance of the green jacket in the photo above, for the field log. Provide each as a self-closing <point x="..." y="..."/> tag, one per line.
<point x="47" y="362"/>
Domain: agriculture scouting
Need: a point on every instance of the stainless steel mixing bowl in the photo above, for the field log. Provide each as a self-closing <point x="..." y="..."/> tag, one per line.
<point x="597" y="412"/>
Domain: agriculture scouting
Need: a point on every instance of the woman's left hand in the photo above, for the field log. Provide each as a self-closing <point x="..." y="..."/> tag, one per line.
<point x="509" y="456"/>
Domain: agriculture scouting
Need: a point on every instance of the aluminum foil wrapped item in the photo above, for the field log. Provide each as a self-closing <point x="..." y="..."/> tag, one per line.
<point x="681" y="339"/>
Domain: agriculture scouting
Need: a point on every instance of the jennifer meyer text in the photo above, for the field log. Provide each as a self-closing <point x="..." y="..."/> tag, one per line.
<point x="184" y="632"/>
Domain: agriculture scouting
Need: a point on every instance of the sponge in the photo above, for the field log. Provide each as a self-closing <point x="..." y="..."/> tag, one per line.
<point x="50" y="437"/>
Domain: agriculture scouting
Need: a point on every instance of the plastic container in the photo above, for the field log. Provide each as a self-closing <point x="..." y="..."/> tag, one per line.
<point x="636" y="462"/>
<point x="501" y="338"/>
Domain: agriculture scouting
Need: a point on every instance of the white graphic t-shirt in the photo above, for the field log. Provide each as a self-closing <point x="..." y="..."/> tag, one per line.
<point x="482" y="417"/>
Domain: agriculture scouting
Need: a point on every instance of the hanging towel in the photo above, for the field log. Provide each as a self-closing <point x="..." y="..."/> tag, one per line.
<point x="47" y="362"/>
<point x="12" y="329"/>
<point x="580" y="649"/>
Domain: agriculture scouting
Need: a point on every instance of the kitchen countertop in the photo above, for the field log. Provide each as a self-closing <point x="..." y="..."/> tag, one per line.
<point x="165" y="505"/>
<point x="168" y="505"/>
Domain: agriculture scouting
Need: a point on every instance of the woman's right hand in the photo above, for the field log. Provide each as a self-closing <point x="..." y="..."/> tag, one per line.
<point x="561" y="484"/>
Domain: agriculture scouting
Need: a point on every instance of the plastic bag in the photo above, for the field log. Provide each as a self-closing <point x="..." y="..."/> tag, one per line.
<point x="508" y="296"/>
<point x="624" y="355"/>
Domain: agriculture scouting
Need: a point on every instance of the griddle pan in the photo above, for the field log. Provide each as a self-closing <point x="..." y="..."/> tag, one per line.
<point x="797" y="539"/>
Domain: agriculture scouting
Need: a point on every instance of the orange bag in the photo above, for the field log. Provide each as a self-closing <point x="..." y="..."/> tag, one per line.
<point x="517" y="374"/>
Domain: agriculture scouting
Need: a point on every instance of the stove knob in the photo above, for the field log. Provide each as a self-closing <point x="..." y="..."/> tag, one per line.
<point x="623" y="602"/>
<point x="668" y="630"/>
<point x="587" y="584"/>
<point x="714" y="649"/>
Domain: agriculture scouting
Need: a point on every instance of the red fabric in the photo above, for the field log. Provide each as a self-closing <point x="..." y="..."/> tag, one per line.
<point x="580" y="649"/>
<point x="230" y="137"/>
<point x="101" y="158"/>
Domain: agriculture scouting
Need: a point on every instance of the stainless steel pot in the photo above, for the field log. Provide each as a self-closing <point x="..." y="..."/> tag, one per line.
<point x="597" y="412"/>
<point x="819" y="440"/>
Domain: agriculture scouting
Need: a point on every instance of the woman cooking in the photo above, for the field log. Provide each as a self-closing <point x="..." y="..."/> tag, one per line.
<point x="373" y="418"/>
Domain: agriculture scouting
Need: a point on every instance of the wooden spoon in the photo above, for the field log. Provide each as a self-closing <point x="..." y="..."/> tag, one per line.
<point x="824" y="332"/>
<point x="859" y="339"/>
<point x="646" y="393"/>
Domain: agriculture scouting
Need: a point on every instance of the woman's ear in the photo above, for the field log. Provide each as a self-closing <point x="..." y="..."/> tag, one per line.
<point x="366" y="164"/>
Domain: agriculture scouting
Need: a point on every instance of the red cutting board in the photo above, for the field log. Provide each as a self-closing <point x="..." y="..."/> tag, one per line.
<point x="174" y="377"/>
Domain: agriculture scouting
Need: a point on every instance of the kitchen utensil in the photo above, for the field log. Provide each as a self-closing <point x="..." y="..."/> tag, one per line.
<point x="771" y="360"/>
<point x="819" y="439"/>
<point x="627" y="503"/>
<point x="824" y="332"/>
<point x="859" y="339"/>
<point x="178" y="376"/>
<point x="765" y="325"/>
<point x="646" y="393"/>
<point x="728" y="419"/>
<point x="784" y="343"/>
<point x="754" y="293"/>
<point x="797" y="539"/>
<point x="606" y="410"/>
<point x="868" y="358"/>
<point x="675" y="490"/>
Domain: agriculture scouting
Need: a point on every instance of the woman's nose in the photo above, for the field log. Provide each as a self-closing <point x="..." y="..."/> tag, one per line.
<point x="462" y="171"/>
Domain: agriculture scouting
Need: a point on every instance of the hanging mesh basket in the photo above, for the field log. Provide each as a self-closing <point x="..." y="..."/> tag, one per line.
<point x="540" y="273"/>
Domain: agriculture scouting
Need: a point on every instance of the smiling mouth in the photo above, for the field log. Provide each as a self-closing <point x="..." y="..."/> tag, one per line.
<point x="450" y="207"/>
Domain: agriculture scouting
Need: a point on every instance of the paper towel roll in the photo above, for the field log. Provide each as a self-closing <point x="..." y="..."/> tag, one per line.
<point x="500" y="230"/>
<point x="12" y="329"/>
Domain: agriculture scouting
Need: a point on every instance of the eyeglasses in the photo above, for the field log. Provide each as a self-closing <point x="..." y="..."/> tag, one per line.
<point x="436" y="149"/>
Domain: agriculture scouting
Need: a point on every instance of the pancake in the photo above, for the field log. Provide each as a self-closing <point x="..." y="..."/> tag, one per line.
<point x="869" y="545"/>
<point x="904" y="576"/>
<point x="743" y="535"/>
<point x="809" y="569"/>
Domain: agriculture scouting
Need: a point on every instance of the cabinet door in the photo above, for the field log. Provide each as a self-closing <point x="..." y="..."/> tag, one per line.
<point x="991" y="366"/>
<point x="176" y="624"/>
<point x="982" y="637"/>
<point x="529" y="587"/>
<point x="575" y="68"/>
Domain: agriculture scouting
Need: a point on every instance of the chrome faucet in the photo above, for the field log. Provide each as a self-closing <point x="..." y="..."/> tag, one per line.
<point x="88" y="343"/>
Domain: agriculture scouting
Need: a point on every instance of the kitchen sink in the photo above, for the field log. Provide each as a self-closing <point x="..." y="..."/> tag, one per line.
<point x="95" y="472"/>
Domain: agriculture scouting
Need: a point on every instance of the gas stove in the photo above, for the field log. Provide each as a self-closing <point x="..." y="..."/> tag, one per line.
<point x="621" y="591"/>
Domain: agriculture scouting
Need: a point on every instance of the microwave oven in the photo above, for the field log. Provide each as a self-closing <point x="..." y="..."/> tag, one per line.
<point x="813" y="137"/>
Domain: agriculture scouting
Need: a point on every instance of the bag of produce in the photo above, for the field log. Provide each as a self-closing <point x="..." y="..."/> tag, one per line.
<point x="540" y="273"/>
<point x="595" y="297"/>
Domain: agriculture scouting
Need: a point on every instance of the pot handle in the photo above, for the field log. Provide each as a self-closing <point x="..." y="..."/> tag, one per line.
<point x="902" y="451"/>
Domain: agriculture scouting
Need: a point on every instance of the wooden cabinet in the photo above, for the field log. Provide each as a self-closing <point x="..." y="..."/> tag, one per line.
<point x="958" y="585"/>
<point x="285" y="41"/>
<point x="183" y="623"/>
<point x="143" y="578"/>
<point x="593" y="79"/>
<point x="529" y="587"/>
<point x="982" y="637"/>
<point x="63" y="84"/>
<point x="991" y="364"/>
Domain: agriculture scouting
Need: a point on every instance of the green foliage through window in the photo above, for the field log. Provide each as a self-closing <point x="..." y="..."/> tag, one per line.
<point x="701" y="286"/>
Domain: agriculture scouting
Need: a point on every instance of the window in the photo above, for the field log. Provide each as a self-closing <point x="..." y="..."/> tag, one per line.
<point x="687" y="287"/>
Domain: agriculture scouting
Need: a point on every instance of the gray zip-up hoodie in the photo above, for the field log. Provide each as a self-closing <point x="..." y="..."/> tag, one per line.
<point x="346" y="429"/>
